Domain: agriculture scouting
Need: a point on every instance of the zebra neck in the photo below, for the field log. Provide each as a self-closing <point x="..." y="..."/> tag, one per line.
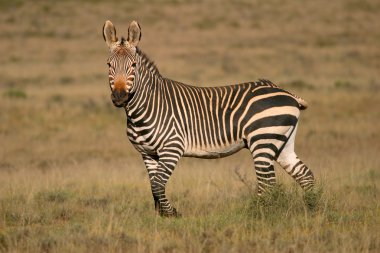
<point x="147" y="73"/>
<point x="148" y="88"/>
<point x="147" y="63"/>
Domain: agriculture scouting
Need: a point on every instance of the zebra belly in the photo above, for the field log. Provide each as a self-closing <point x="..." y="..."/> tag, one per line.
<point x="214" y="152"/>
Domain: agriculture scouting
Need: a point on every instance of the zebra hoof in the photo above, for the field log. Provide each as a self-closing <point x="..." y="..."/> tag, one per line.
<point x="312" y="199"/>
<point x="173" y="214"/>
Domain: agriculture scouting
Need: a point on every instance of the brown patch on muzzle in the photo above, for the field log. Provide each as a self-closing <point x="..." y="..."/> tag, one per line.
<point x="119" y="94"/>
<point x="120" y="83"/>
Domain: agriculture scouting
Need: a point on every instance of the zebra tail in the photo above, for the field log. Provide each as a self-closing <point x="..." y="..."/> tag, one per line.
<point x="301" y="103"/>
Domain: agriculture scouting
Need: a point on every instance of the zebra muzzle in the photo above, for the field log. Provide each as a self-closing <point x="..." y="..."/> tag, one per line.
<point x="119" y="98"/>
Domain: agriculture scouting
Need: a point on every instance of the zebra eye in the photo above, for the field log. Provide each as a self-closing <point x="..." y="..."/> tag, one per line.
<point x="134" y="65"/>
<point x="109" y="64"/>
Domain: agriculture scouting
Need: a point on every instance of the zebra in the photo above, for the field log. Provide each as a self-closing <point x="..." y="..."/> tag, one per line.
<point x="167" y="120"/>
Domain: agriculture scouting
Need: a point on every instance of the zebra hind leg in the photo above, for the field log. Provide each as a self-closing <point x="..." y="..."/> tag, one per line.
<point x="294" y="166"/>
<point x="263" y="161"/>
<point x="266" y="176"/>
<point x="303" y="176"/>
<point x="298" y="170"/>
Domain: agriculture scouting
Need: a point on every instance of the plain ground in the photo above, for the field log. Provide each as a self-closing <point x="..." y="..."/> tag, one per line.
<point x="71" y="182"/>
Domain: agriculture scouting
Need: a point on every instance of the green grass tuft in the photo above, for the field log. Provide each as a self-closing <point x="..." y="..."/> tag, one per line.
<point x="345" y="85"/>
<point x="275" y="203"/>
<point x="15" y="93"/>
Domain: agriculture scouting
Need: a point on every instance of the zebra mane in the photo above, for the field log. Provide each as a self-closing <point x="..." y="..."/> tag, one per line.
<point x="122" y="41"/>
<point x="149" y="64"/>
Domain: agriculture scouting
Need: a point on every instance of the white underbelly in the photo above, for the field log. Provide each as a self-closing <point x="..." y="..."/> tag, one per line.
<point x="214" y="152"/>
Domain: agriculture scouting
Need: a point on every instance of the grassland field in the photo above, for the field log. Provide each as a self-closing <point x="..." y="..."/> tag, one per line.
<point x="70" y="181"/>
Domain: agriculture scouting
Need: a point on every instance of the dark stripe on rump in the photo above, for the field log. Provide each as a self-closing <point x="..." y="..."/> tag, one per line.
<point x="270" y="102"/>
<point x="279" y="137"/>
<point x="265" y="90"/>
<point x="278" y="120"/>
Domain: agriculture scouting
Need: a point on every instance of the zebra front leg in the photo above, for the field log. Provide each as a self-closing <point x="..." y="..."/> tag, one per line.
<point x="151" y="164"/>
<point x="166" y="165"/>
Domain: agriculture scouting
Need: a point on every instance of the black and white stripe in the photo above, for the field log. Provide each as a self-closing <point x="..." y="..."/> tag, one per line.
<point x="167" y="120"/>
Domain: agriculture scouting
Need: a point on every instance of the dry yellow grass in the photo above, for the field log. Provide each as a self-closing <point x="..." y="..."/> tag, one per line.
<point x="71" y="182"/>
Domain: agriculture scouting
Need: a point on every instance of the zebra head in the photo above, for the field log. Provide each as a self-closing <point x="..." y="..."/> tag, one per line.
<point x="122" y="62"/>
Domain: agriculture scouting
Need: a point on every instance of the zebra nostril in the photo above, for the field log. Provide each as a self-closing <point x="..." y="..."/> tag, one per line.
<point x="123" y="93"/>
<point x="119" y="94"/>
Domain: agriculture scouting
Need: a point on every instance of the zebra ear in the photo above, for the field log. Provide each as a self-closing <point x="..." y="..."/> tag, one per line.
<point x="109" y="34"/>
<point x="134" y="33"/>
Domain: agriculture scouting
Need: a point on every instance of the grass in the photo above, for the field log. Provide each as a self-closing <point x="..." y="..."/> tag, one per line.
<point x="71" y="182"/>
<point x="15" y="93"/>
<point x="97" y="216"/>
<point x="344" y="85"/>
